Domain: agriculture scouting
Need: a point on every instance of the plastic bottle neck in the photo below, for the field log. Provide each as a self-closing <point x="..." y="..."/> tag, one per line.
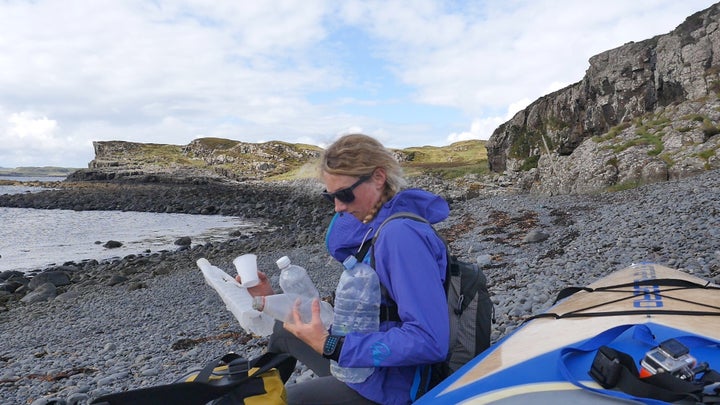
<point x="258" y="303"/>
<point x="350" y="262"/>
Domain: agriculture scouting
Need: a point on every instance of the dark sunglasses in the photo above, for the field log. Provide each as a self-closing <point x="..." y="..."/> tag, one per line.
<point x="345" y="195"/>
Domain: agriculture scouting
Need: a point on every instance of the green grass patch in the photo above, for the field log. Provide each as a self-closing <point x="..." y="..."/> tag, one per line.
<point x="709" y="129"/>
<point x="526" y="146"/>
<point x="457" y="153"/>
<point x="556" y="124"/>
<point x="715" y="86"/>
<point x="612" y="132"/>
<point x="308" y="170"/>
<point x="530" y="163"/>
<point x="706" y="154"/>
<point x="694" y="117"/>
<point x="643" y="138"/>
<point x="161" y="155"/>
<point x="217" y="143"/>
<point x="667" y="159"/>
<point x="627" y="185"/>
<point x="446" y="171"/>
<point x="658" y="123"/>
<point x="455" y="160"/>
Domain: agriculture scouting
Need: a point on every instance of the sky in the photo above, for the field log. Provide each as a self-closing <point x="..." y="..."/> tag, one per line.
<point x="410" y="73"/>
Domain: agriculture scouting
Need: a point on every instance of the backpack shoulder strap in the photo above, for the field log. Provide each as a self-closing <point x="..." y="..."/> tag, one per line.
<point x="365" y="248"/>
<point x="404" y="214"/>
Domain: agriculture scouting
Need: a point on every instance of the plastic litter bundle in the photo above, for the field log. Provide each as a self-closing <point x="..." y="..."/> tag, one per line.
<point x="237" y="299"/>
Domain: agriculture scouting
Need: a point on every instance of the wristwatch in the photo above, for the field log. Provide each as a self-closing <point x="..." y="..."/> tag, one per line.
<point x="331" y="349"/>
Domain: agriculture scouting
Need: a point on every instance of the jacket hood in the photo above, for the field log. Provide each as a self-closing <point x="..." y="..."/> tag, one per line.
<point x="346" y="233"/>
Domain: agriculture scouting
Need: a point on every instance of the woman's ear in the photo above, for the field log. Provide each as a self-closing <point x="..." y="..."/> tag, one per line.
<point x="379" y="176"/>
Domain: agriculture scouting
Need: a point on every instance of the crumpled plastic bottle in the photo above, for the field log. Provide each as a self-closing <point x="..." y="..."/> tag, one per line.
<point x="357" y="309"/>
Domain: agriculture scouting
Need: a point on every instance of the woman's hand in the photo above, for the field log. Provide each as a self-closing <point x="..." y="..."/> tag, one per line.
<point x="262" y="289"/>
<point x="313" y="333"/>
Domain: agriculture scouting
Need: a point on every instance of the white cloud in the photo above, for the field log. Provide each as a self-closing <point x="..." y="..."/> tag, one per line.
<point x="515" y="107"/>
<point x="27" y="136"/>
<point x="163" y="72"/>
<point x="26" y="126"/>
<point x="176" y="63"/>
<point x="482" y="128"/>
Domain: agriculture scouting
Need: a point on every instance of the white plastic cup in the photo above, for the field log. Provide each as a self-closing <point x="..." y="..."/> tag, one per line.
<point x="246" y="266"/>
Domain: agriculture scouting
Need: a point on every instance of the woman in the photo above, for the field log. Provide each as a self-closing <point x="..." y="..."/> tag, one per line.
<point x="364" y="181"/>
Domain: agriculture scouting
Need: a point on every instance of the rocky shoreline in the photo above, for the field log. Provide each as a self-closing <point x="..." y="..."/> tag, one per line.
<point x="146" y="319"/>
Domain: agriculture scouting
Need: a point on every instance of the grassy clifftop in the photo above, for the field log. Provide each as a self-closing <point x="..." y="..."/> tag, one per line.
<point x="450" y="161"/>
<point x="272" y="160"/>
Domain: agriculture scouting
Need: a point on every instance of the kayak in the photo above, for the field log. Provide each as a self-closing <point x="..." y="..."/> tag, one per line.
<point x="640" y="310"/>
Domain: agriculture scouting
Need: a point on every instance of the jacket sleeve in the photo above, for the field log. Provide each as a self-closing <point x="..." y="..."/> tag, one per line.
<point x="410" y="261"/>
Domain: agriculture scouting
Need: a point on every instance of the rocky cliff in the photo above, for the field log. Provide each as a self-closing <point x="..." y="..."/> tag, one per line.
<point x="202" y="160"/>
<point x="644" y="112"/>
<point x="211" y="160"/>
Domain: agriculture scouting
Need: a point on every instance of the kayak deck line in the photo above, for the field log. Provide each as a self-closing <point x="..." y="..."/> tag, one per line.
<point x="681" y="285"/>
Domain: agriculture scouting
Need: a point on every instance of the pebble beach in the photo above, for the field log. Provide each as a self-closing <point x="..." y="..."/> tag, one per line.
<point x="163" y="320"/>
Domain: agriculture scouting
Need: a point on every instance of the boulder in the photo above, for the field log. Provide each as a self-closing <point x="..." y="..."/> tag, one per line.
<point x="116" y="279"/>
<point x="535" y="236"/>
<point x="7" y="274"/>
<point x="56" y="278"/>
<point x="10" y="286"/>
<point x="112" y="244"/>
<point x="44" y="292"/>
<point x="67" y="296"/>
<point x="184" y="241"/>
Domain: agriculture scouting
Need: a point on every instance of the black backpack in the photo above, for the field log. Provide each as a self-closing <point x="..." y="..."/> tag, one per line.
<point x="469" y="306"/>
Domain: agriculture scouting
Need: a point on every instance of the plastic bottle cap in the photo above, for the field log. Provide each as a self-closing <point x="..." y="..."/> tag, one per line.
<point x="283" y="262"/>
<point x="350" y="262"/>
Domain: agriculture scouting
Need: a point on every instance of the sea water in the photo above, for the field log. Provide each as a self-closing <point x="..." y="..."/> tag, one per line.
<point x="33" y="239"/>
<point x="21" y="188"/>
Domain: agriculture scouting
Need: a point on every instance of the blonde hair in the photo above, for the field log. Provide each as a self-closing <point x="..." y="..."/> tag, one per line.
<point x="359" y="155"/>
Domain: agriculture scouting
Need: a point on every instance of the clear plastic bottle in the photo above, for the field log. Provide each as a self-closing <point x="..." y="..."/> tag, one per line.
<point x="357" y="309"/>
<point x="294" y="279"/>
<point x="280" y="307"/>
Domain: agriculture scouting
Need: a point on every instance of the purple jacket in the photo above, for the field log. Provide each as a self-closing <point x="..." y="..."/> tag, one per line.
<point x="410" y="261"/>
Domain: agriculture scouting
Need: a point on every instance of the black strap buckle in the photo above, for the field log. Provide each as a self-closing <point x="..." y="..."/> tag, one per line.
<point x="606" y="367"/>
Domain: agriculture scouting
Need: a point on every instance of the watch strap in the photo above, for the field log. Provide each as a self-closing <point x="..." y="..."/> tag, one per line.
<point x="332" y="347"/>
